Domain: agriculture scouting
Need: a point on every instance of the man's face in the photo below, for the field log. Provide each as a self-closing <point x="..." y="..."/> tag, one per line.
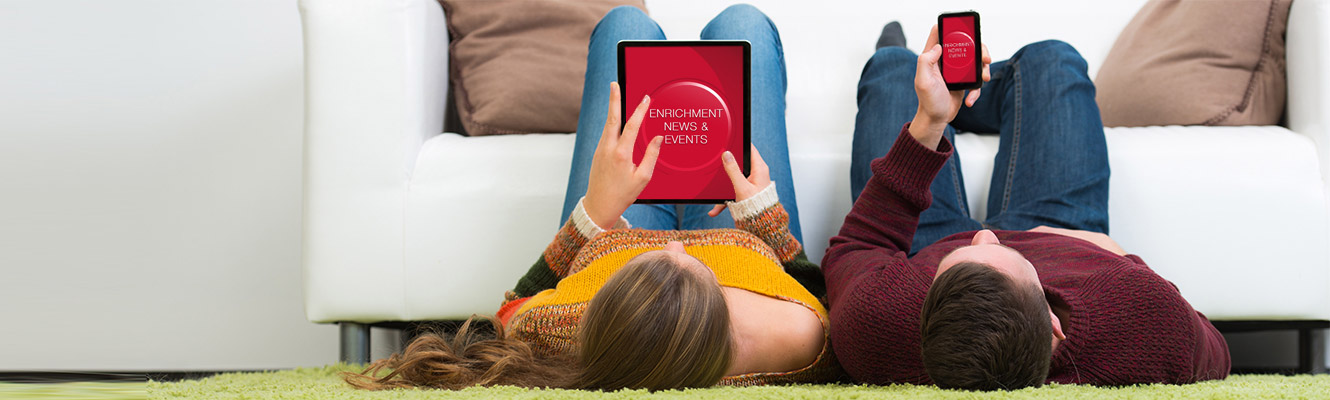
<point x="985" y="249"/>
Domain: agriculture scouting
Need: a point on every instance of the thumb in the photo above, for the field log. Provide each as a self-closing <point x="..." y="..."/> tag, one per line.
<point x="732" y="169"/>
<point x="648" y="164"/>
<point x="926" y="67"/>
<point x="932" y="55"/>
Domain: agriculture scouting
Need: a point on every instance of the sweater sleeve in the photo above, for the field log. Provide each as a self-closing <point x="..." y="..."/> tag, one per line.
<point x="886" y="214"/>
<point x="874" y="293"/>
<point x="764" y="216"/>
<point x="554" y="263"/>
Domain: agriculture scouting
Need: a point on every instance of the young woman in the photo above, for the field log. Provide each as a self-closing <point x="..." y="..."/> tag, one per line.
<point x="653" y="296"/>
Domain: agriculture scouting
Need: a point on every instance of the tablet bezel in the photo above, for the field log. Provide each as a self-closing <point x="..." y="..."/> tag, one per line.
<point x="747" y="96"/>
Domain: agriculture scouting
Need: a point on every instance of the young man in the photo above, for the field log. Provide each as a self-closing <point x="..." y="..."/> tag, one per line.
<point x="920" y="292"/>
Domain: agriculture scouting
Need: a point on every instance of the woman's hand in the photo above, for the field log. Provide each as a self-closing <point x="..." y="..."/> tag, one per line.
<point x="937" y="105"/>
<point x="615" y="182"/>
<point x="744" y="187"/>
<point x="1099" y="239"/>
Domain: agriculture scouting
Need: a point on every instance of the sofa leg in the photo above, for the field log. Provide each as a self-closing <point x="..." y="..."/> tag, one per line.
<point x="1311" y="351"/>
<point x="354" y="343"/>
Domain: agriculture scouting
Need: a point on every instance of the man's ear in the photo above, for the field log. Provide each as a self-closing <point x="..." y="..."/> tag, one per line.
<point x="1057" y="325"/>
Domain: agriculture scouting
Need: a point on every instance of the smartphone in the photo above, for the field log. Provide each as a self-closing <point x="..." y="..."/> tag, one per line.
<point x="962" y="66"/>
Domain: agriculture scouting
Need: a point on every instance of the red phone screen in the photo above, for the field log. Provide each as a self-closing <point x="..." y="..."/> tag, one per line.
<point x="959" y="36"/>
<point x="697" y="104"/>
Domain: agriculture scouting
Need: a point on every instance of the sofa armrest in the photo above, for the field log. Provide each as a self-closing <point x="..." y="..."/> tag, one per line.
<point x="1308" y="60"/>
<point x="375" y="85"/>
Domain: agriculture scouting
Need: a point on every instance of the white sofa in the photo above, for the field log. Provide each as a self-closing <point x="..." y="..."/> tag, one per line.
<point x="403" y="222"/>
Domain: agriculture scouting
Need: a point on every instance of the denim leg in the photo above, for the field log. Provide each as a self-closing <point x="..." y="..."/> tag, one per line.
<point x="886" y="102"/>
<point x="621" y="23"/>
<point x="1052" y="162"/>
<point x="767" y="92"/>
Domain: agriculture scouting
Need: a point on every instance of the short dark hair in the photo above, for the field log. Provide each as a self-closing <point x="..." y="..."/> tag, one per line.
<point x="982" y="331"/>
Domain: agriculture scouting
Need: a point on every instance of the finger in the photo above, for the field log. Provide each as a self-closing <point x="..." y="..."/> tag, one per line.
<point x="732" y="169"/>
<point x="758" y="163"/>
<point x="715" y="211"/>
<point x="934" y="54"/>
<point x="634" y="122"/>
<point x="611" y="132"/>
<point x="972" y="97"/>
<point x="648" y="164"/>
<point x="987" y="60"/>
<point x="928" y="60"/>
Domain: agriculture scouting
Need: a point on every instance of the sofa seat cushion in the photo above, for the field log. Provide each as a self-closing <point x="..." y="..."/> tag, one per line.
<point x="1181" y="197"/>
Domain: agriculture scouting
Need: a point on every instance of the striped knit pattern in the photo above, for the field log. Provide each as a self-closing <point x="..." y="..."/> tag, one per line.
<point x="560" y="253"/>
<point x="741" y="259"/>
<point x="1125" y="323"/>
<point x="770" y="225"/>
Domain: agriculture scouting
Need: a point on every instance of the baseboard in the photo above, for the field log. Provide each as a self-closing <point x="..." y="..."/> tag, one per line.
<point x="107" y="376"/>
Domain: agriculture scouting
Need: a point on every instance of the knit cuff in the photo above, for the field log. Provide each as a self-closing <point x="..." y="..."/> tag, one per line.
<point x="588" y="228"/>
<point x="749" y="208"/>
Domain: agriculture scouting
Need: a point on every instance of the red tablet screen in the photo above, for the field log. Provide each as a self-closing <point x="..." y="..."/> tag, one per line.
<point x="699" y="104"/>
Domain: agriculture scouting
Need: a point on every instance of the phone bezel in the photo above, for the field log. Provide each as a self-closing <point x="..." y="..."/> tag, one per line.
<point x="978" y="47"/>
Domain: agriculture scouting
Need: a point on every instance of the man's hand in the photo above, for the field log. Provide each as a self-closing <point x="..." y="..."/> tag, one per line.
<point x="937" y="105"/>
<point x="1099" y="239"/>
<point x="759" y="177"/>
<point x="615" y="182"/>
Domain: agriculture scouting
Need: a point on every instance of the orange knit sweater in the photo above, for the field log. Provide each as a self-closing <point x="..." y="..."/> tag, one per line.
<point x="761" y="256"/>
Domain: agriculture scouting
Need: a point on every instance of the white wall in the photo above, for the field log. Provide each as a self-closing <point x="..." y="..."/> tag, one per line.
<point x="150" y="187"/>
<point x="150" y="156"/>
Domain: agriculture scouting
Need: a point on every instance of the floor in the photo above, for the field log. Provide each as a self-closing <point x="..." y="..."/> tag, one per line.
<point x="1260" y="352"/>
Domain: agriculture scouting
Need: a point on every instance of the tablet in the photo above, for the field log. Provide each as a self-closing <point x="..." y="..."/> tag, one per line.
<point x="700" y="103"/>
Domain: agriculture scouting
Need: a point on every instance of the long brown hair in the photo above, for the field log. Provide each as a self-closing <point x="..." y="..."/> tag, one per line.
<point x="653" y="325"/>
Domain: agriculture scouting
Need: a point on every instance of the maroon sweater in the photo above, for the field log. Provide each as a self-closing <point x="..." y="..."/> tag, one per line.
<point x="1125" y="323"/>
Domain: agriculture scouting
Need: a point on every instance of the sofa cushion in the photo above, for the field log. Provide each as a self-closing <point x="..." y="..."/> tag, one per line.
<point x="518" y="66"/>
<point x="1197" y="62"/>
<point x="1180" y="197"/>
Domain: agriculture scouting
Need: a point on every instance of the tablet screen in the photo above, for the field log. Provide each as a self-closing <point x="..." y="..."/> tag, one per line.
<point x="699" y="103"/>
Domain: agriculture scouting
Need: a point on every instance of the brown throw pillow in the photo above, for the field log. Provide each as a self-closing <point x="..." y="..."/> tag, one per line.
<point x="1197" y="62"/>
<point x="518" y="66"/>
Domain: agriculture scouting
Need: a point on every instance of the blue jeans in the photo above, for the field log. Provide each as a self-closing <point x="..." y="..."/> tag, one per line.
<point x="1052" y="162"/>
<point x="739" y="22"/>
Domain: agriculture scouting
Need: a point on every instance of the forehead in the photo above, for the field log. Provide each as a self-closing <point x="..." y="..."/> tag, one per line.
<point x="993" y="254"/>
<point x="681" y="259"/>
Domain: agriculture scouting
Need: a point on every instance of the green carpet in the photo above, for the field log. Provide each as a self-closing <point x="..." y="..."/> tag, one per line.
<point x="324" y="383"/>
<point x="75" y="390"/>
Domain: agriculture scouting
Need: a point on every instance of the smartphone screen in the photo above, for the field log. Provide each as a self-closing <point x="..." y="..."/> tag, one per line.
<point x="959" y="35"/>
